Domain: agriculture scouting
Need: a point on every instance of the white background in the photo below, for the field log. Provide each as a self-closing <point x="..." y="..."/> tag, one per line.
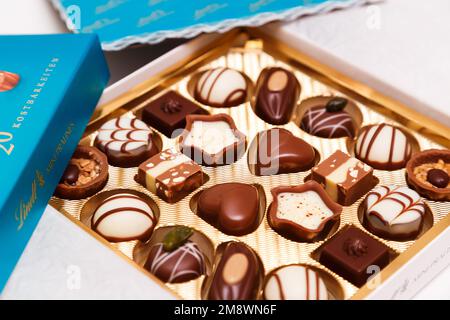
<point x="58" y="249"/>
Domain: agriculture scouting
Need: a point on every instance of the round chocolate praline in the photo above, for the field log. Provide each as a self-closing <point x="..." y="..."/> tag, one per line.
<point x="183" y="264"/>
<point x="438" y="178"/>
<point x="329" y="120"/>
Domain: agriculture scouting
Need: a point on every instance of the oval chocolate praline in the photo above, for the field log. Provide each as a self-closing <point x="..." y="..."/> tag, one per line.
<point x="277" y="92"/>
<point x="238" y="274"/>
<point x="438" y="178"/>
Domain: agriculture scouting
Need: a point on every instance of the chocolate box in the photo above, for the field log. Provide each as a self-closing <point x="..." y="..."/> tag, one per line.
<point x="49" y="86"/>
<point x="411" y="263"/>
<point x="123" y="23"/>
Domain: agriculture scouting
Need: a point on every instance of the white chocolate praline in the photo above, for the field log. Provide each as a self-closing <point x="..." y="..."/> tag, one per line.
<point x="125" y="216"/>
<point x="306" y="209"/>
<point x="383" y="144"/>
<point x="123" y="134"/>
<point x="217" y="86"/>
<point x="295" y="282"/>
<point x="211" y="136"/>
<point x="394" y="210"/>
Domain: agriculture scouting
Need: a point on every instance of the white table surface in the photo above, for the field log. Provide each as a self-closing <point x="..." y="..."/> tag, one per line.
<point x="63" y="262"/>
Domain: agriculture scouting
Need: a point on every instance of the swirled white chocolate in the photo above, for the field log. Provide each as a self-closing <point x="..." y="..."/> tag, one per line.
<point x="123" y="135"/>
<point x="383" y="147"/>
<point x="221" y="87"/>
<point x="295" y="282"/>
<point x="123" y="217"/>
<point x="394" y="210"/>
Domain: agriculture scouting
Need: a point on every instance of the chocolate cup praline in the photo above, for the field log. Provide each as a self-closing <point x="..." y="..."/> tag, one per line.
<point x="228" y="155"/>
<point x="318" y="101"/>
<point x="66" y="191"/>
<point x="294" y="231"/>
<point x="427" y="156"/>
<point x="89" y="208"/>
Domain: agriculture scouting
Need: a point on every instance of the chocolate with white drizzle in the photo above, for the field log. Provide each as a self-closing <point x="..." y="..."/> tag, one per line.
<point x="295" y="282"/>
<point x="221" y="88"/>
<point x="126" y="142"/>
<point x="383" y="147"/>
<point x="124" y="217"/>
<point x="330" y="119"/>
<point x="237" y="274"/>
<point x="177" y="258"/>
<point x="394" y="212"/>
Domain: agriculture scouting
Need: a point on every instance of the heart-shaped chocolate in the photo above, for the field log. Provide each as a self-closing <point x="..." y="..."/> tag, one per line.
<point x="277" y="151"/>
<point x="233" y="208"/>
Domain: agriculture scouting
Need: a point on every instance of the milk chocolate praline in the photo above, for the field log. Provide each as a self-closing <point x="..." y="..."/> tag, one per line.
<point x="86" y="174"/>
<point x="278" y="151"/>
<point x="277" y="92"/>
<point x="417" y="173"/>
<point x="238" y="274"/>
<point x="233" y="208"/>
<point x="309" y="203"/>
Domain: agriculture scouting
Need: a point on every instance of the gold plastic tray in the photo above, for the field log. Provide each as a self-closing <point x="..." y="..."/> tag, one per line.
<point x="243" y="52"/>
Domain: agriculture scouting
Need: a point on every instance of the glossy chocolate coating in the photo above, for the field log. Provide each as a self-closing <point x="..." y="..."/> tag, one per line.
<point x="351" y="252"/>
<point x="278" y="151"/>
<point x="438" y="178"/>
<point x="329" y="121"/>
<point x="70" y="175"/>
<point x="168" y="113"/>
<point x="277" y="92"/>
<point x="233" y="208"/>
<point x="185" y="263"/>
<point x="238" y="274"/>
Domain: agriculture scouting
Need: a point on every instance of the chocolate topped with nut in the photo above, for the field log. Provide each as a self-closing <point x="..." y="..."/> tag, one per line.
<point x="428" y="172"/>
<point x="86" y="174"/>
<point x="355" y="247"/>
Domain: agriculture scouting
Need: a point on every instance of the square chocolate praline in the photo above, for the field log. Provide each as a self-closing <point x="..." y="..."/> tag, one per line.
<point x="170" y="175"/>
<point x="168" y="112"/>
<point x="351" y="252"/>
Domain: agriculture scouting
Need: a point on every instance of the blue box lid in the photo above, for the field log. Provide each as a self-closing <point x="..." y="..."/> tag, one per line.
<point x="120" y="23"/>
<point x="49" y="87"/>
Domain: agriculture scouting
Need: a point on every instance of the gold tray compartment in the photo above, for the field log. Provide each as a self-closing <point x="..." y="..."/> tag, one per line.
<point x="239" y="51"/>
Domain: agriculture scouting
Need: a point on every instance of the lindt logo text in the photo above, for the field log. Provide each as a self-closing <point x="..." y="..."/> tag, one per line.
<point x="25" y="206"/>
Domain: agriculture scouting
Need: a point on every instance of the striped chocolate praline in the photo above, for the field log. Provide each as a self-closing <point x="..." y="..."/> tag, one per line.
<point x="383" y="147"/>
<point x="295" y="282"/>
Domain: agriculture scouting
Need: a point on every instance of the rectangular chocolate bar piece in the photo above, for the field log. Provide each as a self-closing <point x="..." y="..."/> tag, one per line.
<point x="168" y="113"/>
<point x="345" y="178"/>
<point x="170" y="175"/>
